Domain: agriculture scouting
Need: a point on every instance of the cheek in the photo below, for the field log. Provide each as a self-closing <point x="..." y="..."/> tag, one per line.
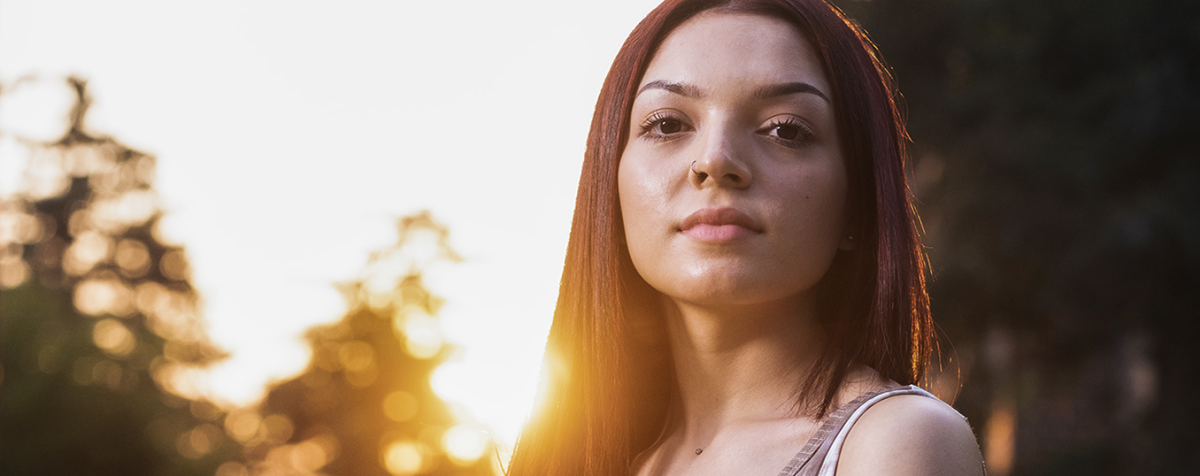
<point x="817" y="208"/>
<point x="812" y="221"/>
<point x="643" y="194"/>
<point x="635" y="199"/>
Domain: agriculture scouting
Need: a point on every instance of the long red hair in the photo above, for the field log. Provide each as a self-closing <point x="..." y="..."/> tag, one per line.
<point x="608" y="373"/>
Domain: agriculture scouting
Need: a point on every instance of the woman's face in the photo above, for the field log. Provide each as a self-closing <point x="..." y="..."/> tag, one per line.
<point x="732" y="185"/>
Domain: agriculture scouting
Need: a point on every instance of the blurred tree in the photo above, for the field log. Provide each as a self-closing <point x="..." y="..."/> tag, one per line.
<point x="98" y="320"/>
<point x="1056" y="161"/>
<point x="364" y="405"/>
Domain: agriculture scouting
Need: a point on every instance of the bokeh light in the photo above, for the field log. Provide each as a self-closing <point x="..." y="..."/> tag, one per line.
<point x="403" y="458"/>
<point x="217" y="172"/>
<point x="113" y="337"/>
<point x="400" y="406"/>
<point x="1054" y="214"/>
<point x="465" y="443"/>
<point x="243" y="425"/>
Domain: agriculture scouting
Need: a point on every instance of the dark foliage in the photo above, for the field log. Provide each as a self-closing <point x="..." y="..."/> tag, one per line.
<point x="85" y="388"/>
<point x="1057" y="168"/>
<point x="365" y="397"/>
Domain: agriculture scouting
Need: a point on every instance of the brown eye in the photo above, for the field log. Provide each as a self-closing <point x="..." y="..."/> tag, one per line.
<point x="662" y="126"/>
<point x="787" y="131"/>
<point x="669" y="126"/>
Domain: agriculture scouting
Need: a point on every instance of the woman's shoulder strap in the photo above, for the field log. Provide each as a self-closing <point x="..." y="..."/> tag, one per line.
<point x="823" y="449"/>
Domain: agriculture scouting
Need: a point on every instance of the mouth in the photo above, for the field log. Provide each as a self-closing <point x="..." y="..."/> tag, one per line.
<point x="719" y="224"/>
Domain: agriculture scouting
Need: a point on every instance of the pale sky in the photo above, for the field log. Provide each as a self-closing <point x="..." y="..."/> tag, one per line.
<point x="291" y="134"/>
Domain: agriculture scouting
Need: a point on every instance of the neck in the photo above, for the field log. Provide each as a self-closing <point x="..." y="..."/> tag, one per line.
<point x="739" y="364"/>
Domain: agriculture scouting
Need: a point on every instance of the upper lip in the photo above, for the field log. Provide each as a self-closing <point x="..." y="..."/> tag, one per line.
<point x="720" y="216"/>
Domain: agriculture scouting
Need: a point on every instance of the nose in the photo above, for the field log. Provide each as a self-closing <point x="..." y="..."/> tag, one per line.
<point x="722" y="162"/>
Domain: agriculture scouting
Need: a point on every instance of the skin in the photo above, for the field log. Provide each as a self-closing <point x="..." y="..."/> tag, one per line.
<point x="734" y="112"/>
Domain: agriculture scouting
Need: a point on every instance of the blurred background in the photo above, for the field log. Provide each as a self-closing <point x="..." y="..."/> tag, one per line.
<point x="297" y="238"/>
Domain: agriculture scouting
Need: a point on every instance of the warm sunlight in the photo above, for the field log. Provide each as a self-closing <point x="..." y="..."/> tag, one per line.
<point x="336" y="135"/>
<point x="326" y="238"/>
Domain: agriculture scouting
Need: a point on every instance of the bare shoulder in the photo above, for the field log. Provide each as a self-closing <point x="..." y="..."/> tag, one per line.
<point x="910" y="435"/>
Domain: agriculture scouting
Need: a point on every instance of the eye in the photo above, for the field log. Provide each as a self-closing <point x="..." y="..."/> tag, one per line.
<point x="669" y="126"/>
<point x="788" y="131"/>
<point x="663" y="126"/>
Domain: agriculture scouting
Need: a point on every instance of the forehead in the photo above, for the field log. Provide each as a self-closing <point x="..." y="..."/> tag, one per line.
<point x="718" y="49"/>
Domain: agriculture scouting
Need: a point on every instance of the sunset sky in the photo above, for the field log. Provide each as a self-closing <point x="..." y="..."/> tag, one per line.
<point x="290" y="135"/>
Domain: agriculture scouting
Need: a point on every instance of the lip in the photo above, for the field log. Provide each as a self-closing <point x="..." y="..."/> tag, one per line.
<point x="719" y="224"/>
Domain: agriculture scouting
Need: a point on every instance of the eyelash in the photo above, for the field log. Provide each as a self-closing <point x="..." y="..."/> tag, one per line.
<point x="805" y="134"/>
<point x="656" y="120"/>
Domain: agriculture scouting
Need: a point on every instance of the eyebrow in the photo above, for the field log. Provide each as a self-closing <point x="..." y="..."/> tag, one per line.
<point x="765" y="92"/>
<point x="784" y="89"/>
<point x="682" y="89"/>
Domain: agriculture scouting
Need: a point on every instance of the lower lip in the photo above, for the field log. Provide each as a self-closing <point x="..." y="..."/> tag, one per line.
<point x="717" y="232"/>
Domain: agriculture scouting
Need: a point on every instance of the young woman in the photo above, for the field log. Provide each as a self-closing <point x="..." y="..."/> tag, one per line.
<point x="744" y="283"/>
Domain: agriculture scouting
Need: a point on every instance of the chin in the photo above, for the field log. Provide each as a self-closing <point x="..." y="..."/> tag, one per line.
<point x="733" y="289"/>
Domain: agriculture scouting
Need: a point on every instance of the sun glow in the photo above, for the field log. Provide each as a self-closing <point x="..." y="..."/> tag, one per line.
<point x="279" y="177"/>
